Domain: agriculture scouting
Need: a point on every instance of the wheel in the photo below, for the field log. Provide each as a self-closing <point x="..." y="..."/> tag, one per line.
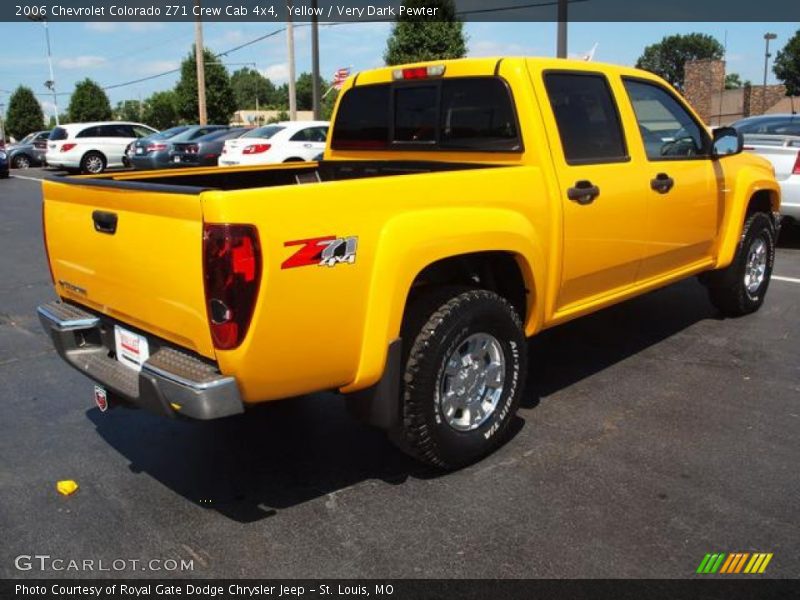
<point x="21" y="162"/>
<point x="463" y="376"/>
<point x="93" y="162"/>
<point x="294" y="159"/>
<point x="740" y="288"/>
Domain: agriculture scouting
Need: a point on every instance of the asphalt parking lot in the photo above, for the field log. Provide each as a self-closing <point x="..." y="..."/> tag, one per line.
<point x="651" y="434"/>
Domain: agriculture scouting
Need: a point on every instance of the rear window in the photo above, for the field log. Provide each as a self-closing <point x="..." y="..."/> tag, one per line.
<point x="59" y="133"/>
<point x="473" y="114"/>
<point x="776" y="126"/>
<point x="264" y="132"/>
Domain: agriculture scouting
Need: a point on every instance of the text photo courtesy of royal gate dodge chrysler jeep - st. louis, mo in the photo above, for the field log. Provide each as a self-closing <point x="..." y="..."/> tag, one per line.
<point x="427" y="299"/>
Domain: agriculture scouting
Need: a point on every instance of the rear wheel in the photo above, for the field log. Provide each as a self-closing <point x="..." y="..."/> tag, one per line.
<point x="21" y="162"/>
<point x="463" y="376"/>
<point x="740" y="288"/>
<point x="93" y="163"/>
<point x="294" y="159"/>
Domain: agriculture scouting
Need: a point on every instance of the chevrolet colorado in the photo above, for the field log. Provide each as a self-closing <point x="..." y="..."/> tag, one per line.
<point x="460" y="207"/>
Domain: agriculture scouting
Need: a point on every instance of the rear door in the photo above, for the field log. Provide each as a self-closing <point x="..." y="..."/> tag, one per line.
<point x="308" y="142"/>
<point x="133" y="255"/>
<point x="604" y="206"/>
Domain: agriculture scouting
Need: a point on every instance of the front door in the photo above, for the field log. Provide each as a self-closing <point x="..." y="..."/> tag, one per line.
<point x="604" y="207"/>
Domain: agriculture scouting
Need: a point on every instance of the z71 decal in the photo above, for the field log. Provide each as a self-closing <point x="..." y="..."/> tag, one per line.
<point x="327" y="251"/>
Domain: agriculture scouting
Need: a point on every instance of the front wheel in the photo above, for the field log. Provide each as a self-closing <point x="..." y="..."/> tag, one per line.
<point x="21" y="162"/>
<point x="463" y="376"/>
<point x="740" y="288"/>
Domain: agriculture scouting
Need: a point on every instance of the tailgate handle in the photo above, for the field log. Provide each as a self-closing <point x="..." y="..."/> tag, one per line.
<point x="105" y="222"/>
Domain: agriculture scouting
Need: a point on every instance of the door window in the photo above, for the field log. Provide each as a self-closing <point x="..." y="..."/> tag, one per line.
<point x="668" y="130"/>
<point x="587" y="118"/>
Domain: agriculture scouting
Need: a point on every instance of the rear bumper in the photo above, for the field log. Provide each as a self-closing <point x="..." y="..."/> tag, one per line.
<point x="170" y="383"/>
<point x="790" y="197"/>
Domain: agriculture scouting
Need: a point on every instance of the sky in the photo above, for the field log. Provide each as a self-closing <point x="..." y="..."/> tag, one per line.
<point x="113" y="53"/>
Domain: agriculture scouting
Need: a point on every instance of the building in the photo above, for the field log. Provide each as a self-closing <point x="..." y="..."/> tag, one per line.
<point x="254" y="118"/>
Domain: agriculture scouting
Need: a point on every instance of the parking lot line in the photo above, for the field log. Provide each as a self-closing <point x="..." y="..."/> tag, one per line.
<point x="789" y="279"/>
<point x="26" y="178"/>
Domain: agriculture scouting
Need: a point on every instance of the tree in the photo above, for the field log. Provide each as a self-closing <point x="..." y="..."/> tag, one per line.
<point x="667" y="57"/>
<point x="161" y="110"/>
<point x="248" y="84"/>
<point x="24" y="113"/>
<point x="787" y="65"/>
<point x="305" y="93"/>
<point x="88" y="103"/>
<point x="62" y="118"/>
<point x="415" y="39"/>
<point x="220" y="100"/>
<point x="733" y="81"/>
<point x="129" y="110"/>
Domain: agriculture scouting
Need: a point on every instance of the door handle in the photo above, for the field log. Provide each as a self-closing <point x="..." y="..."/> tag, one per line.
<point x="105" y="222"/>
<point x="662" y="183"/>
<point x="583" y="193"/>
<point x="307" y="145"/>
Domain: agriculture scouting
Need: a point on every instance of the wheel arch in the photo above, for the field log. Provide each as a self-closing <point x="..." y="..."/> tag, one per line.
<point x="760" y="196"/>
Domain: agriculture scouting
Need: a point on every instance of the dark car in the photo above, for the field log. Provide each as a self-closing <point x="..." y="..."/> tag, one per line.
<point x="3" y="164"/>
<point x="28" y="152"/>
<point x="155" y="153"/>
<point x="205" y="150"/>
<point x="780" y="124"/>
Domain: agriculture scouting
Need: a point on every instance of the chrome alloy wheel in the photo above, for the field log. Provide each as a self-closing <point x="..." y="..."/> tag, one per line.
<point x="94" y="164"/>
<point x="756" y="266"/>
<point x="472" y="382"/>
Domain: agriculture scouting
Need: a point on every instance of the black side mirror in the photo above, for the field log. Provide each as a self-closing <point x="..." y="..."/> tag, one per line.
<point x="727" y="141"/>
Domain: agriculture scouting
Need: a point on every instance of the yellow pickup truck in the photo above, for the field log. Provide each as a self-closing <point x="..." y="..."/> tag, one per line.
<point x="460" y="207"/>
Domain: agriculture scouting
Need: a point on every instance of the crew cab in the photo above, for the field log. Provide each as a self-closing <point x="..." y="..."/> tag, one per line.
<point x="460" y="207"/>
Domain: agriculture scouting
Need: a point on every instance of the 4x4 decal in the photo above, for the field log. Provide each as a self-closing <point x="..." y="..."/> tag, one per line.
<point x="327" y="251"/>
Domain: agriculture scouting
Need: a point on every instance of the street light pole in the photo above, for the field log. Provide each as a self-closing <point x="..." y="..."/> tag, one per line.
<point x="199" y="57"/>
<point x="767" y="38"/>
<point x="561" y="44"/>
<point x="52" y="80"/>
<point x="290" y="51"/>
<point x="315" y="61"/>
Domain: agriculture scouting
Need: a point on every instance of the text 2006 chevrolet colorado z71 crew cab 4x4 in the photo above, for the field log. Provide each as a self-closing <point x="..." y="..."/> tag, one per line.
<point x="461" y="206"/>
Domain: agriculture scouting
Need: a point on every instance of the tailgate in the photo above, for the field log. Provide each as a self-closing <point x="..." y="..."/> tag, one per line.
<point x="145" y="270"/>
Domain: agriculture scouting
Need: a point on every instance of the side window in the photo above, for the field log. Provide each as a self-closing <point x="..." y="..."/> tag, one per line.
<point x="300" y="136"/>
<point x="667" y="128"/>
<point x="89" y="132"/>
<point x="317" y="134"/>
<point x="587" y="118"/>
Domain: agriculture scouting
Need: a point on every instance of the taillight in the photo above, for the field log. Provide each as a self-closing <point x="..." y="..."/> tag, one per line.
<point x="256" y="149"/>
<point x="67" y="147"/>
<point x="418" y="72"/>
<point x="796" y="168"/>
<point x="46" y="250"/>
<point x="155" y="147"/>
<point x="232" y="274"/>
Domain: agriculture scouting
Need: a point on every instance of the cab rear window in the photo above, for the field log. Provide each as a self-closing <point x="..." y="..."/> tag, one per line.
<point x="471" y="114"/>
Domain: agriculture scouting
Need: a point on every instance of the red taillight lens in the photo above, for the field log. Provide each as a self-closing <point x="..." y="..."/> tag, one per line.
<point x="232" y="274"/>
<point x="796" y="168"/>
<point x="256" y="149"/>
<point x="67" y="147"/>
<point x="155" y="147"/>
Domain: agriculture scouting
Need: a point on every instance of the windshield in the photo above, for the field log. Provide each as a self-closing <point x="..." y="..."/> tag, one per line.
<point x="168" y="133"/>
<point x="264" y="132"/>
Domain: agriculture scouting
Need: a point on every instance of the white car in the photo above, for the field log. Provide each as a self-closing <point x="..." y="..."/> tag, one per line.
<point x="287" y="141"/>
<point x="92" y="147"/>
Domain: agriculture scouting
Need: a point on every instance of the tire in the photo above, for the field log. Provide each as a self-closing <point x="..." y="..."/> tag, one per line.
<point x="21" y="162"/>
<point x="294" y="159"/>
<point x="93" y="163"/>
<point x="444" y="325"/>
<point x="740" y="288"/>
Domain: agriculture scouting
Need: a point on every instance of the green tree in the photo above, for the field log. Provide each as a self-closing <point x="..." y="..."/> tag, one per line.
<point x="733" y="81"/>
<point x="62" y="118"/>
<point x="415" y="39"/>
<point x="305" y="93"/>
<point x="667" y="57"/>
<point x="281" y="116"/>
<point x="24" y="113"/>
<point x="161" y="110"/>
<point x="129" y="110"/>
<point x="787" y="65"/>
<point x="248" y="84"/>
<point x="89" y="103"/>
<point x="220" y="99"/>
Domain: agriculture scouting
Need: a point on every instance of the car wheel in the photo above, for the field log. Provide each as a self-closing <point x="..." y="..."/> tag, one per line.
<point x="294" y="159"/>
<point x="463" y="376"/>
<point x="21" y="162"/>
<point x="93" y="163"/>
<point x="740" y="288"/>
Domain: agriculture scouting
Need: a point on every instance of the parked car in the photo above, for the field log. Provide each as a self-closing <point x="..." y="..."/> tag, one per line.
<point x="463" y="206"/>
<point x="777" y="139"/>
<point x="287" y="141"/>
<point x="205" y="150"/>
<point x="92" y="147"/>
<point x="156" y="153"/>
<point x="29" y="152"/>
<point x="130" y="150"/>
<point x="3" y="164"/>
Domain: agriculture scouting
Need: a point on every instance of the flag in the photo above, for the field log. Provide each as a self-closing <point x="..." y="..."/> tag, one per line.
<point x="339" y="77"/>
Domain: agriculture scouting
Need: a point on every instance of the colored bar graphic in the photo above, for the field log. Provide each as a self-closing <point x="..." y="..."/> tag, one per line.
<point x="727" y="564"/>
<point x="717" y="563"/>
<point x="734" y="563"/>
<point x="765" y="563"/>
<point x="703" y="563"/>
<point x="740" y="565"/>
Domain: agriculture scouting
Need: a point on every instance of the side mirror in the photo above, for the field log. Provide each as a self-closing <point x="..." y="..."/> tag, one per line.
<point x="727" y="141"/>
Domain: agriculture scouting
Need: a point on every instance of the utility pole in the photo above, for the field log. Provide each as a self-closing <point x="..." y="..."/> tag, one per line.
<point x="315" y="61"/>
<point x="50" y="84"/>
<point x="201" y="69"/>
<point x="290" y="44"/>
<point x="2" y="129"/>
<point x="767" y="38"/>
<point x="561" y="44"/>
